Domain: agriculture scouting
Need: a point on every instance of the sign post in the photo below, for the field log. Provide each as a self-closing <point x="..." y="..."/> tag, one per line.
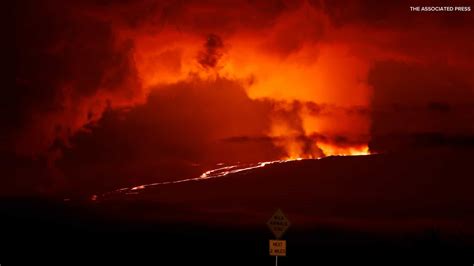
<point x="277" y="248"/>
<point x="278" y="224"/>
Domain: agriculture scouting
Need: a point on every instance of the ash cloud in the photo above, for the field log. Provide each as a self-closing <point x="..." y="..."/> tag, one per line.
<point x="69" y="68"/>
<point x="213" y="51"/>
<point x="321" y="71"/>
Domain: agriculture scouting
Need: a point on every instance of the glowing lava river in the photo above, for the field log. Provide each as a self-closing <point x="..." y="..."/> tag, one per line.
<point x="328" y="191"/>
<point x="213" y="173"/>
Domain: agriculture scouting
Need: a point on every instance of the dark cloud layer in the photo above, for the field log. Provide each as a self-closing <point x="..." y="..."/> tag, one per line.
<point x="68" y="68"/>
<point x="420" y="105"/>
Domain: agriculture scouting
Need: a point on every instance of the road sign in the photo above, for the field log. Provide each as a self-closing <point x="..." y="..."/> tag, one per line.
<point x="278" y="224"/>
<point x="277" y="247"/>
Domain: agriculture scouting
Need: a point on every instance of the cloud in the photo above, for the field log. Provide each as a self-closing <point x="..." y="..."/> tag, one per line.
<point x="336" y="140"/>
<point x="91" y="56"/>
<point x="417" y="105"/>
<point x="314" y="77"/>
<point x="212" y="51"/>
<point x="68" y="70"/>
<point x="177" y="133"/>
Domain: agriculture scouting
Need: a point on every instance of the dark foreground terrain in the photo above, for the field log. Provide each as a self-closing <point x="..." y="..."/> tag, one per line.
<point x="385" y="209"/>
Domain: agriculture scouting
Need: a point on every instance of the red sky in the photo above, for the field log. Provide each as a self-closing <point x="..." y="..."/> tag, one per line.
<point x="117" y="92"/>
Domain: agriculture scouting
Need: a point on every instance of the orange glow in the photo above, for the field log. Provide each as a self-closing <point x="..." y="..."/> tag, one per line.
<point x="321" y="72"/>
<point x="343" y="151"/>
<point x="154" y="91"/>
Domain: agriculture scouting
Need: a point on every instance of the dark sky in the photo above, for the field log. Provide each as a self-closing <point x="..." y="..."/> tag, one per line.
<point x="109" y="93"/>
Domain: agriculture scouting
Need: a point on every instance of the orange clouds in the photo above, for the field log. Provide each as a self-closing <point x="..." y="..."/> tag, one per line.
<point x="258" y="80"/>
<point x="291" y="60"/>
<point x="111" y="55"/>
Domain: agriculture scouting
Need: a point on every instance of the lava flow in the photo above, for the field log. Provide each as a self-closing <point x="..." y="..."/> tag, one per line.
<point x="213" y="173"/>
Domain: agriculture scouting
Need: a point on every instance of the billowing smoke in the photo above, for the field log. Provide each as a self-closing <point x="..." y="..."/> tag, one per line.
<point x="212" y="51"/>
<point x="319" y="78"/>
<point x="93" y="59"/>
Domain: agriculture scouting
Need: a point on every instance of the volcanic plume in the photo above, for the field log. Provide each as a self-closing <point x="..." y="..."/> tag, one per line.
<point x="142" y="85"/>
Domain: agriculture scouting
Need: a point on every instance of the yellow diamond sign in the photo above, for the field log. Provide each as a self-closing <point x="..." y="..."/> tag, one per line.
<point x="278" y="224"/>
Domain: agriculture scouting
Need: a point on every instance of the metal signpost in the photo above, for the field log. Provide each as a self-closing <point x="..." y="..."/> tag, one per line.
<point x="278" y="224"/>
